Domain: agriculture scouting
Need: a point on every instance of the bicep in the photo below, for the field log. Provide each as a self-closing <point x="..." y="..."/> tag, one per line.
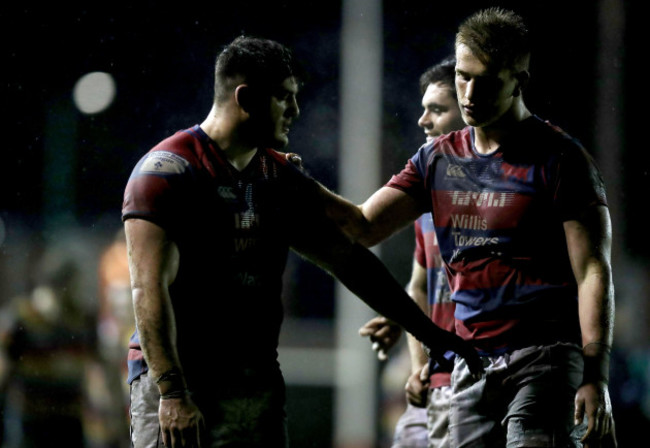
<point x="153" y="257"/>
<point x="589" y="241"/>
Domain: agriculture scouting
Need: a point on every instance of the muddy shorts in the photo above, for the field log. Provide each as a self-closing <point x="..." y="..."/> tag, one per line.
<point x="524" y="398"/>
<point x="247" y="412"/>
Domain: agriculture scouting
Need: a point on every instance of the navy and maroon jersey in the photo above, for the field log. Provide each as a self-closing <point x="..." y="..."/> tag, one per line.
<point x="233" y="230"/>
<point x="499" y="222"/>
<point x="427" y="255"/>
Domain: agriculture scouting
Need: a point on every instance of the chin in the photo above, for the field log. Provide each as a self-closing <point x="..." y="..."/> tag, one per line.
<point x="471" y="121"/>
<point x="278" y="143"/>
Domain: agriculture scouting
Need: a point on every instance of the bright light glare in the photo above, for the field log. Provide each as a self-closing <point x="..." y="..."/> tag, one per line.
<point x="94" y="92"/>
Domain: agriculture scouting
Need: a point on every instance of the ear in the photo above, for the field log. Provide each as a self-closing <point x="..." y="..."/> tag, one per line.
<point x="523" y="78"/>
<point x="244" y="97"/>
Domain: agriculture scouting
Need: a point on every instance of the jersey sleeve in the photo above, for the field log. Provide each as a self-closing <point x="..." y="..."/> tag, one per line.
<point x="154" y="190"/>
<point x="413" y="179"/>
<point x="580" y="184"/>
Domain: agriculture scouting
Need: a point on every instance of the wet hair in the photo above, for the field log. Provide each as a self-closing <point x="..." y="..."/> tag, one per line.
<point x="262" y="64"/>
<point x="444" y="72"/>
<point x="497" y="37"/>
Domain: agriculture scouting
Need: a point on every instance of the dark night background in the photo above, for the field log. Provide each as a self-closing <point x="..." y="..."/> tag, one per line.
<point x="161" y="58"/>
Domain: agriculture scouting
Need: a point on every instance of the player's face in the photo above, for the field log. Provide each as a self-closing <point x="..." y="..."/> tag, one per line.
<point x="484" y="94"/>
<point x="283" y="110"/>
<point x="441" y="114"/>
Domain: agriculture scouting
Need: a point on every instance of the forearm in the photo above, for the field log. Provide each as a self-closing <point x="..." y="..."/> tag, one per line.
<point x="596" y="311"/>
<point x="157" y="331"/>
<point x="418" y="357"/>
<point x="364" y="275"/>
<point x="417" y="288"/>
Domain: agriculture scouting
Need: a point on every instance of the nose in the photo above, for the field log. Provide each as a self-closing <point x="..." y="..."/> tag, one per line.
<point x="293" y="110"/>
<point x="470" y="90"/>
<point x="424" y="121"/>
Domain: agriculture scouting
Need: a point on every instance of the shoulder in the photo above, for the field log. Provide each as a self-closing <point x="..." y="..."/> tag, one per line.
<point x="175" y="155"/>
<point x="544" y="144"/>
<point x="456" y="143"/>
<point x="554" y="139"/>
<point x="283" y="166"/>
<point x="278" y="156"/>
<point x="183" y="145"/>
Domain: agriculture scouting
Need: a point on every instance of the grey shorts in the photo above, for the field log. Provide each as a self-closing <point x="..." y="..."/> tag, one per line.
<point x="411" y="428"/>
<point x="248" y="411"/>
<point x="438" y="417"/>
<point x="524" y="398"/>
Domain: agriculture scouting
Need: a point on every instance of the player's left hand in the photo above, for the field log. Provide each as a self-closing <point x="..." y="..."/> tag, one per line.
<point x="417" y="387"/>
<point x="592" y="401"/>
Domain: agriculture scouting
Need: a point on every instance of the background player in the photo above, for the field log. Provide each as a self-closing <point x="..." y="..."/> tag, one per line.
<point x="425" y="420"/>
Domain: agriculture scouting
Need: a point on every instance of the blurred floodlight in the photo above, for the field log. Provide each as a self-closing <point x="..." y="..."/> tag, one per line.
<point x="94" y="92"/>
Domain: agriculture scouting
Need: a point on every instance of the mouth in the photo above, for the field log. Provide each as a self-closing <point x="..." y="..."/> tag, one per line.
<point x="469" y="109"/>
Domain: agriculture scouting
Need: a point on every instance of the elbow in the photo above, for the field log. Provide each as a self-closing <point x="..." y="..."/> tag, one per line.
<point x="138" y="297"/>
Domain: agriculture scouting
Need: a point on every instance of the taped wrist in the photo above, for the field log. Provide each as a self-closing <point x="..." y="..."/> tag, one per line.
<point x="174" y="385"/>
<point x="596" y="358"/>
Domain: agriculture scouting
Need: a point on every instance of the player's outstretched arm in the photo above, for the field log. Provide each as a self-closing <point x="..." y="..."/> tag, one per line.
<point x="367" y="277"/>
<point x="387" y="211"/>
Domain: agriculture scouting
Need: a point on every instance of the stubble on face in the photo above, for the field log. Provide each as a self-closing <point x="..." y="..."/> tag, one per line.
<point x="440" y="111"/>
<point x="485" y="93"/>
<point x="283" y="110"/>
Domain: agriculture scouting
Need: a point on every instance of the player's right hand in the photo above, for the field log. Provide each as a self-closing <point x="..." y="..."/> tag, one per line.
<point x="294" y="159"/>
<point x="383" y="334"/>
<point x="181" y="422"/>
<point x="444" y="341"/>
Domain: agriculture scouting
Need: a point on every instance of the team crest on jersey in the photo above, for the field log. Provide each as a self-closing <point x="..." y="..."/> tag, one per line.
<point x="164" y="162"/>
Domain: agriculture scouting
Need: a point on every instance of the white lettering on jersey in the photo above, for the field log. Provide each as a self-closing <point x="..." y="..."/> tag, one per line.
<point x="485" y="199"/>
<point x="472" y="222"/>
<point x="461" y="240"/>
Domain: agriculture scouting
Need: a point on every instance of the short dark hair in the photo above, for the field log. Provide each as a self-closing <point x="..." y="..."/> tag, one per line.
<point x="443" y="72"/>
<point x="497" y="37"/>
<point x="263" y="64"/>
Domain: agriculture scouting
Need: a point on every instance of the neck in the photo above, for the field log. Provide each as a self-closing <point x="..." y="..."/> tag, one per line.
<point x="488" y="138"/>
<point x="225" y="131"/>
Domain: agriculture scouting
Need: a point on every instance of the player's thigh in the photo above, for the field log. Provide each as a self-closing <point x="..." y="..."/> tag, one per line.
<point x="248" y="412"/>
<point x="541" y="411"/>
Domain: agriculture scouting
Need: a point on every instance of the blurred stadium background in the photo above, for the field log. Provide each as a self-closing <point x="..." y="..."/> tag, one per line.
<point x="88" y="88"/>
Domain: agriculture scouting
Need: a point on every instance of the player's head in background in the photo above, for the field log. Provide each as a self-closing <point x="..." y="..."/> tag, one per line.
<point x="441" y="114"/>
